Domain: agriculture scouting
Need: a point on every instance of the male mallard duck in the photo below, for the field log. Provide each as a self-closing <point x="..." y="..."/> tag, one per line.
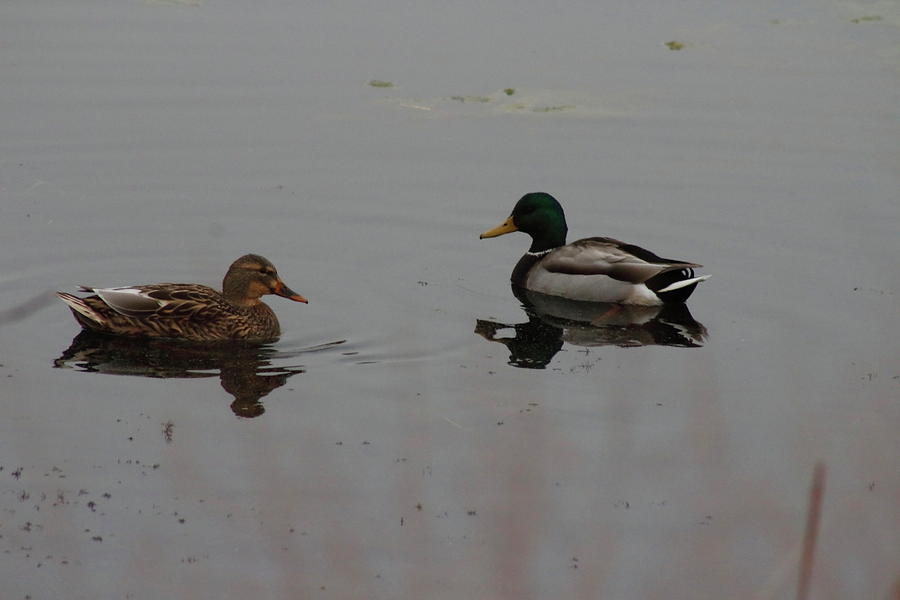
<point x="189" y="311"/>
<point x="597" y="269"/>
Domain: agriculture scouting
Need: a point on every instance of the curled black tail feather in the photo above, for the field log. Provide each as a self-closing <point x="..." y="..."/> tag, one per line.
<point x="664" y="280"/>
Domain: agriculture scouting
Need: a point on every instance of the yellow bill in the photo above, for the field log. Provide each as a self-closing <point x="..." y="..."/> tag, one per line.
<point x="506" y="227"/>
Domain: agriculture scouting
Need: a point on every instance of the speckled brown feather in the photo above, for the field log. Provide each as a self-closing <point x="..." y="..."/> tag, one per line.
<point x="187" y="311"/>
<point x="193" y="312"/>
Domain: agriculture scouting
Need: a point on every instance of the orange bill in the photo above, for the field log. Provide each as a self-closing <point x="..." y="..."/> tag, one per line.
<point x="286" y="292"/>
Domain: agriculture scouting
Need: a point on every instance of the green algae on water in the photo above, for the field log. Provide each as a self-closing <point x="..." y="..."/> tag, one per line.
<point x="481" y="99"/>
<point x="548" y="109"/>
<point x="377" y="83"/>
<point x="673" y="45"/>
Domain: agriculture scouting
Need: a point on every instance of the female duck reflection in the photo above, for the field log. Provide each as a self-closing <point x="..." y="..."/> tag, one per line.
<point x="244" y="369"/>
<point x="553" y="320"/>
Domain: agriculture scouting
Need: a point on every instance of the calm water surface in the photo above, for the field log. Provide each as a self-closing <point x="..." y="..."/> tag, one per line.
<point x="419" y="431"/>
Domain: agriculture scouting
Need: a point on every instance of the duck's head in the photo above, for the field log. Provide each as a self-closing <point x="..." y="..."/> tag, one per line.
<point x="252" y="276"/>
<point x="539" y="215"/>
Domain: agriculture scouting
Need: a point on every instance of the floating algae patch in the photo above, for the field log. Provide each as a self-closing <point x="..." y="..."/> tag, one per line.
<point x="508" y="101"/>
<point x="554" y="102"/>
<point x="537" y="101"/>
<point x="548" y="109"/>
<point x="481" y="99"/>
<point x="674" y="45"/>
<point x="378" y="83"/>
<point x="883" y="12"/>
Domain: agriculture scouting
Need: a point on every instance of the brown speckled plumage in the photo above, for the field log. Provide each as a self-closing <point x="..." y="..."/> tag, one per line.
<point x="189" y="311"/>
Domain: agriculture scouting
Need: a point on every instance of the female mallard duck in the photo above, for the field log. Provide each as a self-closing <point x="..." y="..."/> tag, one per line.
<point x="597" y="269"/>
<point x="189" y="311"/>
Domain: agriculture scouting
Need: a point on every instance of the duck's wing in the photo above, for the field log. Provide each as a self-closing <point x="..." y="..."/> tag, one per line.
<point x="163" y="300"/>
<point x="610" y="257"/>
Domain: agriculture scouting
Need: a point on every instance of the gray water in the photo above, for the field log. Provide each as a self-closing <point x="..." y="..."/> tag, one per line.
<point x="416" y="432"/>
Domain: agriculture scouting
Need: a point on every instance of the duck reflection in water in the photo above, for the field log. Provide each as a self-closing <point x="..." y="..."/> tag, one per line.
<point x="242" y="367"/>
<point x="553" y="320"/>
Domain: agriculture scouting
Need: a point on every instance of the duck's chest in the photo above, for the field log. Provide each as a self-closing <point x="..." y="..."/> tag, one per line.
<point x="259" y="322"/>
<point x="522" y="269"/>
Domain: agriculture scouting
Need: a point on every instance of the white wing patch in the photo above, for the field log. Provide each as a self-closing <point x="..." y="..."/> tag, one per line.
<point x="129" y="301"/>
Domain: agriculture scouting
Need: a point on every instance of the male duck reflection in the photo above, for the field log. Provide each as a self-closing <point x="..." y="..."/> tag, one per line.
<point x="553" y="320"/>
<point x="189" y="311"/>
<point x="597" y="269"/>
